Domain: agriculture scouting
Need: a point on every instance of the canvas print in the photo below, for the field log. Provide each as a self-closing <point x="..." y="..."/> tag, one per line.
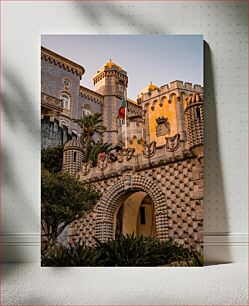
<point x="122" y="150"/>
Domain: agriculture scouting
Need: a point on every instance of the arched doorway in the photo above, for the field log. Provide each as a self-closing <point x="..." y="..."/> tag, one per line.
<point x="106" y="210"/>
<point x="135" y="215"/>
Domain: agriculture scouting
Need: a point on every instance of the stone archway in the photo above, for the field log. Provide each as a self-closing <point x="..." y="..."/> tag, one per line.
<point x="105" y="210"/>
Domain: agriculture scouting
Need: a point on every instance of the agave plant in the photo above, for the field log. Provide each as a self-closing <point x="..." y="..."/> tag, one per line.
<point x="124" y="251"/>
<point x="74" y="255"/>
<point x="146" y="251"/>
<point x="131" y="251"/>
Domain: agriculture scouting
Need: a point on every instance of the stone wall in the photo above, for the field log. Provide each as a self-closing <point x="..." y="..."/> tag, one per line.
<point x="172" y="187"/>
<point x="52" y="84"/>
<point x="52" y="134"/>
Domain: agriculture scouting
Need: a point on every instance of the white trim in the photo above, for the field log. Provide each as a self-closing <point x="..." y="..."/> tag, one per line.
<point x="218" y="247"/>
<point x="216" y="238"/>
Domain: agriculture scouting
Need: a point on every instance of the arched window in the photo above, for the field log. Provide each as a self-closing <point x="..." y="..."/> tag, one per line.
<point x="65" y="101"/>
<point x="86" y="110"/>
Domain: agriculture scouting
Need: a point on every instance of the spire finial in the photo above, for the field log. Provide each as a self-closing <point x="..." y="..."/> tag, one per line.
<point x="150" y="83"/>
<point x="110" y="60"/>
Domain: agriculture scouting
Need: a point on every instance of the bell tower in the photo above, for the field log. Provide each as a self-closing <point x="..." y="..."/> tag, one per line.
<point x="111" y="81"/>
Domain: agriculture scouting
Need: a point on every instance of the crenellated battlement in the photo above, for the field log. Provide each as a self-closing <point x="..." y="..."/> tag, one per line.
<point x="176" y="88"/>
<point x="116" y="73"/>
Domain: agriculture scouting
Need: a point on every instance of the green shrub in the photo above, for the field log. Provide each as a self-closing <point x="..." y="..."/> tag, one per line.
<point x="124" y="251"/>
<point x="131" y="251"/>
<point x="51" y="159"/>
<point x="145" y="251"/>
<point x="75" y="255"/>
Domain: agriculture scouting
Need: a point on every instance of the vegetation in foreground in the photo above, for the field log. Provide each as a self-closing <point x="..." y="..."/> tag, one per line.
<point x="63" y="198"/>
<point x="124" y="251"/>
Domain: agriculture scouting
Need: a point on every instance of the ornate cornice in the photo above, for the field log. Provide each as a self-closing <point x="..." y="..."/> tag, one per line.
<point x="112" y="73"/>
<point x="61" y="61"/>
<point x="134" y="108"/>
<point x="91" y="95"/>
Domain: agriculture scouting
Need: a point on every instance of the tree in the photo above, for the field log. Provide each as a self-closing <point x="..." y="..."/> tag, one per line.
<point x="63" y="200"/>
<point x="90" y="125"/>
<point x="51" y="158"/>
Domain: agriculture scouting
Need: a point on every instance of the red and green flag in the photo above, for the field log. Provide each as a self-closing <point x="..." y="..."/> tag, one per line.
<point x="122" y="109"/>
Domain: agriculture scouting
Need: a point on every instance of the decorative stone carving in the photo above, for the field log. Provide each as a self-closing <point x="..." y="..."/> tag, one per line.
<point x="127" y="179"/>
<point x="150" y="150"/>
<point x="163" y="126"/>
<point x="126" y="154"/>
<point x="102" y="162"/>
<point x="172" y="143"/>
<point x="86" y="167"/>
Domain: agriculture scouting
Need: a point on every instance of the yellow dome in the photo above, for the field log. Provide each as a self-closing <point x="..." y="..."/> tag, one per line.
<point x="110" y="64"/>
<point x="149" y="88"/>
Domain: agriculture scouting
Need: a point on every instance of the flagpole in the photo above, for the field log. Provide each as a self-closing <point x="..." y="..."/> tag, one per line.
<point x="126" y="109"/>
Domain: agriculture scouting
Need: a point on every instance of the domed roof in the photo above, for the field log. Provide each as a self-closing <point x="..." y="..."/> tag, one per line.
<point x="195" y="98"/>
<point x="73" y="144"/>
<point x="110" y="65"/>
<point x="149" y="88"/>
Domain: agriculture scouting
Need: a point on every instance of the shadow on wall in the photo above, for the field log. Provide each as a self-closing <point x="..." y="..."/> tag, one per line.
<point x="21" y="129"/>
<point x="123" y="16"/>
<point x="215" y="211"/>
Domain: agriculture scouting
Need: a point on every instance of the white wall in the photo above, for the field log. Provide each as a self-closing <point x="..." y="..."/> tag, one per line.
<point x="224" y="26"/>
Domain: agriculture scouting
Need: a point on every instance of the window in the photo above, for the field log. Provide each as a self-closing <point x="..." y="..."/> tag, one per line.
<point x="85" y="112"/>
<point x="142" y="215"/>
<point x="65" y="101"/>
<point x="198" y="113"/>
<point x="120" y="88"/>
<point x="74" y="156"/>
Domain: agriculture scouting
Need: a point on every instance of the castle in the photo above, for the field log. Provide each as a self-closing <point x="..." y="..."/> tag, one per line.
<point x="154" y="186"/>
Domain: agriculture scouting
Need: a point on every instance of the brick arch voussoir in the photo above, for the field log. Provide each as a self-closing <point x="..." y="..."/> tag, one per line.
<point x="110" y="201"/>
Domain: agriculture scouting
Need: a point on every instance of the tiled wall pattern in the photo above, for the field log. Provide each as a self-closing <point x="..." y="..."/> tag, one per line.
<point x="173" y="183"/>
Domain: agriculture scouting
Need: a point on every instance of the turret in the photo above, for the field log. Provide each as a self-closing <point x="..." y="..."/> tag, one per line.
<point x="111" y="82"/>
<point x="73" y="156"/>
<point x="194" y="120"/>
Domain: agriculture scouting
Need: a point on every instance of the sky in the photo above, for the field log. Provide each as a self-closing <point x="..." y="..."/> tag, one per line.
<point x="159" y="59"/>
